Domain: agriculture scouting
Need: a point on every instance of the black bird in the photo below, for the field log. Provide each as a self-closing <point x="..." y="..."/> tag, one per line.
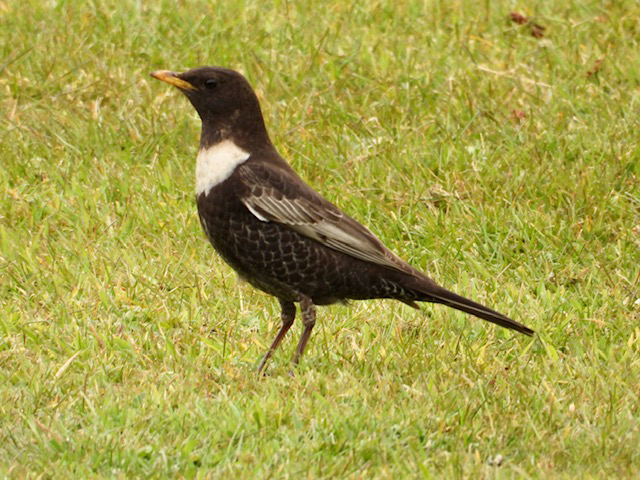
<point x="275" y="230"/>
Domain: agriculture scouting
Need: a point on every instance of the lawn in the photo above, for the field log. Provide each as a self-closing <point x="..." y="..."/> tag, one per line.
<point x="498" y="156"/>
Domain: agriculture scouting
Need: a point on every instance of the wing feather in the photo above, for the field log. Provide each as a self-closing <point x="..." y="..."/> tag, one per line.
<point x="279" y="195"/>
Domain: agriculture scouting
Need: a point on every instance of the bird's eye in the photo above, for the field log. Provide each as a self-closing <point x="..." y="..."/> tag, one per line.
<point x="210" y="83"/>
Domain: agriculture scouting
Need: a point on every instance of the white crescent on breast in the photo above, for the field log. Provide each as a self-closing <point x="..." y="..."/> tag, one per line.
<point x="216" y="163"/>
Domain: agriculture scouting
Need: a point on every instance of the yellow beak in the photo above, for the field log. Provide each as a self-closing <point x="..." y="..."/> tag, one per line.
<point x="172" y="79"/>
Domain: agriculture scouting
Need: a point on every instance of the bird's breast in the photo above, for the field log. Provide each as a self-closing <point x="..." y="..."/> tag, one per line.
<point x="216" y="163"/>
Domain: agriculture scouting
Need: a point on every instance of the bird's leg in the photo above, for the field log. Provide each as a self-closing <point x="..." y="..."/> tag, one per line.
<point x="308" y="311"/>
<point x="287" y="315"/>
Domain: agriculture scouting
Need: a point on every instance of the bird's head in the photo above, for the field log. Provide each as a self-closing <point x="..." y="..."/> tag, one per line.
<point x="212" y="89"/>
<point x="222" y="97"/>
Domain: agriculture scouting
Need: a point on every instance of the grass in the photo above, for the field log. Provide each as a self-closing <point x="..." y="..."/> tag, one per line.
<point x="503" y="164"/>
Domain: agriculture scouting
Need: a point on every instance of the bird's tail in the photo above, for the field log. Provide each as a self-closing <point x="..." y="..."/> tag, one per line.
<point x="435" y="293"/>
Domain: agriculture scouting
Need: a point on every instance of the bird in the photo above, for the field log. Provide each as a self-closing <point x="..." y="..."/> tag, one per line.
<point x="276" y="231"/>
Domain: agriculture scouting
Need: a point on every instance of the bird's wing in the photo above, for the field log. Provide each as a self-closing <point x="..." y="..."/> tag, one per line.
<point x="276" y="194"/>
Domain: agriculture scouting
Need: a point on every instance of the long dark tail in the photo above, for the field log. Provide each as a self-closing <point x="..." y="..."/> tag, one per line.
<point x="434" y="293"/>
<point x="459" y="302"/>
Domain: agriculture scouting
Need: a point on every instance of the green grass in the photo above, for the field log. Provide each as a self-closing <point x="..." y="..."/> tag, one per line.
<point x="489" y="158"/>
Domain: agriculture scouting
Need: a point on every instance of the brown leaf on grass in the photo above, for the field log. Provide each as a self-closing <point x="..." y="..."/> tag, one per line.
<point x="518" y="115"/>
<point x="518" y="18"/>
<point x="536" y="29"/>
<point x="596" y="68"/>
